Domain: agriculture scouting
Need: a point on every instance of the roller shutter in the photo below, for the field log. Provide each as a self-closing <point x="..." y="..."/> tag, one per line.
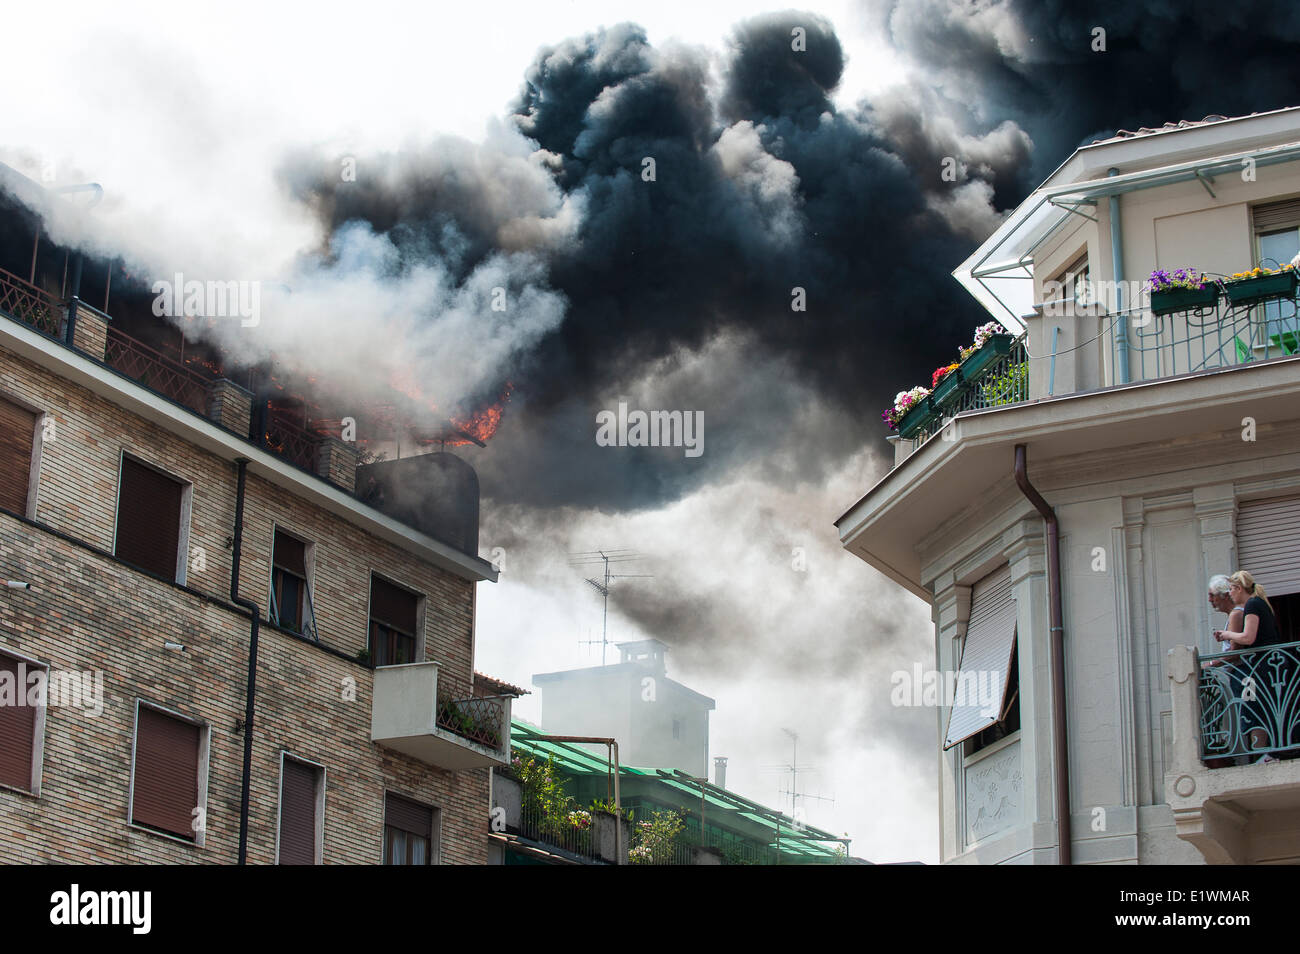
<point x="979" y="698"/>
<point x="298" y="813"/>
<point x="1268" y="543"/>
<point x="166" y="788"/>
<point x="148" y="519"/>
<point x="17" y="433"/>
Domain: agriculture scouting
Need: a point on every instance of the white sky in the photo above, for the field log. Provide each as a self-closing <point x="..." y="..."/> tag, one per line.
<point x="182" y="112"/>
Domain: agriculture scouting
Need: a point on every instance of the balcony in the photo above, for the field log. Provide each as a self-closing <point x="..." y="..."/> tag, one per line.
<point x="281" y="431"/>
<point x="999" y="382"/>
<point x="1218" y="335"/>
<point x="1225" y="717"/>
<point x="424" y="713"/>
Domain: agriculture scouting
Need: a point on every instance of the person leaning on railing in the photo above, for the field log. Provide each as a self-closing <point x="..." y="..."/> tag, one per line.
<point x="1220" y="597"/>
<point x="1259" y="629"/>
<point x="1225" y="671"/>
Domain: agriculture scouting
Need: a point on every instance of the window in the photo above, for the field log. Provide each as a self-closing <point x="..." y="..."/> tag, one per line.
<point x="1075" y="284"/>
<point x="1268" y="541"/>
<point x="167" y="787"/>
<point x="393" y="618"/>
<point x="149" y="514"/>
<point x="677" y="729"/>
<point x="1277" y="241"/>
<point x="302" y="812"/>
<point x="291" y="605"/>
<point x="17" y="446"/>
<point x="983" y="691"/>
<point x="1010" y="721"/>
<point x="410" y="832"/>
<point x="22" y="726"/>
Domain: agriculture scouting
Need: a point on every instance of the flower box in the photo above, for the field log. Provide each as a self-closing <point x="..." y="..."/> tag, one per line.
<point x="946" y="389"/>
<point x="997" y="346"/>
<point x="1165" y="301"/>
<point x="917" y="417"/>
<point x="1243" y="291"/>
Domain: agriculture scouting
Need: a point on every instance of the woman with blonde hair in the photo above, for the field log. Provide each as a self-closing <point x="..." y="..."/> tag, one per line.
<point x="1259" y="630"/>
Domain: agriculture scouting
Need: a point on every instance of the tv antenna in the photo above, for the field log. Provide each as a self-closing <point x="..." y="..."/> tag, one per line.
<point x="793" y="768"/>
<point x="601" y="584"/>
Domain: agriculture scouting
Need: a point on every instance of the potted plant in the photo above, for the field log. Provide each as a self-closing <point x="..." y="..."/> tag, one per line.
<point x="945" y="383"/>
<point x="910" y="410"/>
<point x="1184" y="289"/>
<point x="1244" y="288"/>
<point x="991" y="342"/>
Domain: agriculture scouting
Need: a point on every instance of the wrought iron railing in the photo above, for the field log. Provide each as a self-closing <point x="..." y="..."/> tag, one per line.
<point x="288" y="438"/>
<point x="30" y="305"/>
<point x="1005" y="381"/>
<point x="1202" y="339"/>
<point x="156" y="371"/>
<point x="478" y="718"/>
<point x="1250" y="701"/>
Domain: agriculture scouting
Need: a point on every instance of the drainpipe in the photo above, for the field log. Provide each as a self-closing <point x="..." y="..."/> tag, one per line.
<point x="1117" y="266"/>
<point x="250" y="693"/>
<point x="1058" y="655"/>
<point x="70" y="327"/>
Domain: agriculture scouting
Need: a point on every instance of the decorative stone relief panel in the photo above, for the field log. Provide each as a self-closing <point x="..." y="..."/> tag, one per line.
<point x="994" y="793"/>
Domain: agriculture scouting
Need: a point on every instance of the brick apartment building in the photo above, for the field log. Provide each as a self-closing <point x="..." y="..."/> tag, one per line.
<point x="165" y="529"/>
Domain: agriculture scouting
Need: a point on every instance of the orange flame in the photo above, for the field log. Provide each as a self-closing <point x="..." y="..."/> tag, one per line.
<point x="484" y="422"/>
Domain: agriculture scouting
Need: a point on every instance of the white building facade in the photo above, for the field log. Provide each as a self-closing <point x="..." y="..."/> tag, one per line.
<point x="1167" y="449"/>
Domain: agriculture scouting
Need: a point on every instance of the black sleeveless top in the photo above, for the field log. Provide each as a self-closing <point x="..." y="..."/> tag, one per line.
<point x="1267" y="634"/>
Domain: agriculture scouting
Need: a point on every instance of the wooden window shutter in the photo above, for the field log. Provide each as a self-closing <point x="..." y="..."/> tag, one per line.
<point x="148" y="519"/>
<point x="17" y="432"/>
<point x="298" y="813"/>
<point x="17" y="732"/>
<point x="393" y="606"/>
<point x="290" y="554"/>
<point x="1276" y="215"/>
<point x="409" y="816"/>
<point x="1268" y="543"/>
<point x="166" y="788"/>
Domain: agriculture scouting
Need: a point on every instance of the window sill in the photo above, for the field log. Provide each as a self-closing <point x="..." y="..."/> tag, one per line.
<point x="992" y="749"/>
<point x="34" y="794"/>
<point x="196" y="842"/>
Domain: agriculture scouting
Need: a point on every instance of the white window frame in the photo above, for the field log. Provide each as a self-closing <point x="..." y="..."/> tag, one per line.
<point x="286" y="755"/>
<point x="309" y="567"/>
<point x="38" y="441"/>
<point x="205" y="734"/>
<point x="187" y="503"/>
<point x="435" y="828"/>
<point x="38" y="741"/>
<point x="421" y="602"/>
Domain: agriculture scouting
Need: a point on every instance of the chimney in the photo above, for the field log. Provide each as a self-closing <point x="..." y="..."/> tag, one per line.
<point x="720" y="771"/>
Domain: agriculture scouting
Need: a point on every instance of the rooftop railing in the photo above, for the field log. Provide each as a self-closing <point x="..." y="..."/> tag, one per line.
<point x="156" y="371"/>
<point x="30" y="305"/>
<point x="1250" y="702"/>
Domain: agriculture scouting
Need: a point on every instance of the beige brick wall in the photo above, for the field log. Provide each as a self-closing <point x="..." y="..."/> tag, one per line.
<point x="89" y="612"/>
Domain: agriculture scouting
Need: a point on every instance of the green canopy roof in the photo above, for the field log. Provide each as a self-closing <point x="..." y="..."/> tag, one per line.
<point x="799" y="841"/>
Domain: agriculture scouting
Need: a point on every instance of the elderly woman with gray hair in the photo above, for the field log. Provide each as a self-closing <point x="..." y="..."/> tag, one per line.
<point x="1220" y="596"/>
<point x="1225" y="671"/>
